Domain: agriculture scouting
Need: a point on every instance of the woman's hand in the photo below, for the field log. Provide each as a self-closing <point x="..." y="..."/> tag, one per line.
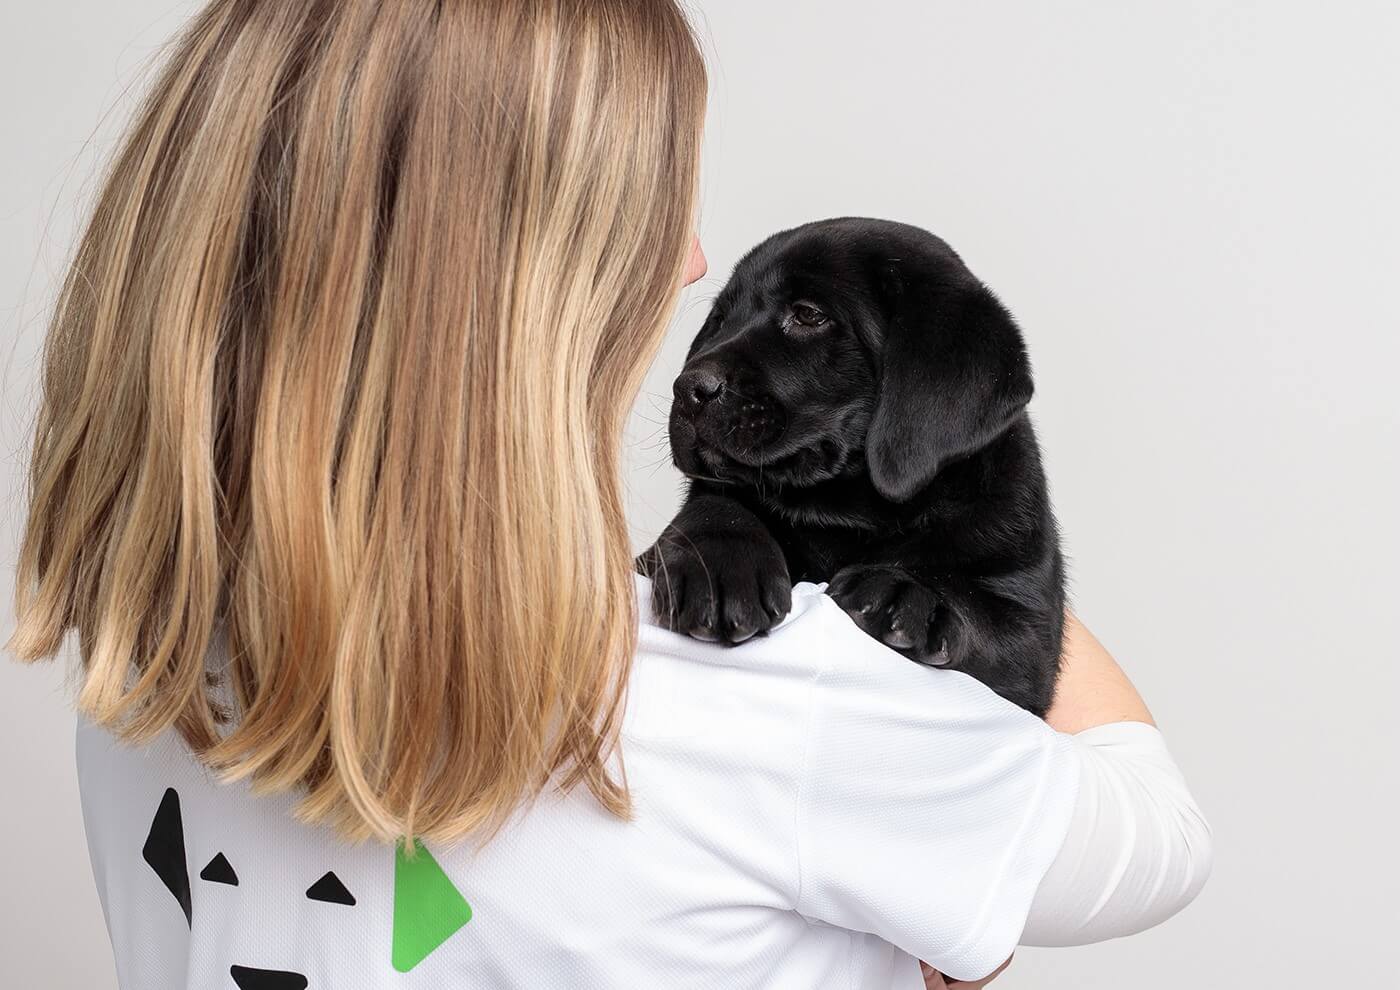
<point x="933" y="979"/>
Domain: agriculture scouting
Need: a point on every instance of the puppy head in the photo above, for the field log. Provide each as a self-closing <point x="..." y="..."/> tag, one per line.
<point x="843" y="346"/>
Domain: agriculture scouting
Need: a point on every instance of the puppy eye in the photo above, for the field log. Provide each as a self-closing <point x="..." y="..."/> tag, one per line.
<point x="808" y="315"/>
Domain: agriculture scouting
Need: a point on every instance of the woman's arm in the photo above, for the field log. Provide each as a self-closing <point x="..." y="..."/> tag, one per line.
<point x="1092" y="690"/>
<point x="935" y="814"/>
<point x="1138" y="848"/>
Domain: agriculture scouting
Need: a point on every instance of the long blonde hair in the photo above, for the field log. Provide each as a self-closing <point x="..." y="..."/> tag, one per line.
<point x="338" y="377"/>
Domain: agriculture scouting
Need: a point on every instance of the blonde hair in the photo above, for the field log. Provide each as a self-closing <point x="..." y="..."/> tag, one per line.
<point x="338" y="377"/>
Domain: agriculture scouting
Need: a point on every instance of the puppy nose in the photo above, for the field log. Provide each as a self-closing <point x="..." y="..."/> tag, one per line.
<point x="698" y="386"/>
<point x="248" y="978"/>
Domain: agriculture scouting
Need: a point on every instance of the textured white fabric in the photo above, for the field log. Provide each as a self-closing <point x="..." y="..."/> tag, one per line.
<point x="1137" y="850"/>
<point x="813" y="811"/>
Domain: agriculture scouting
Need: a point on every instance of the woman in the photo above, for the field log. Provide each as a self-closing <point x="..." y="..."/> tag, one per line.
<point x="327" y="481"/>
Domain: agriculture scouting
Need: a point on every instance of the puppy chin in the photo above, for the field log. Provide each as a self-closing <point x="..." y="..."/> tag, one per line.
<point x="687" y="459"/>
<point x="701" y="461"/>
<point x="802" y="467"/>
<point x="685" y="451"/>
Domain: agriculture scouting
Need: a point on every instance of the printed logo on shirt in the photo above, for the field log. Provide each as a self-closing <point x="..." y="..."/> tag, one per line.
<point x="428" y="907"/>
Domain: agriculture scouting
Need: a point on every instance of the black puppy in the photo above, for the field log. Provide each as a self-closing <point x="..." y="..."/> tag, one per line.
<point x="853" y="411"/>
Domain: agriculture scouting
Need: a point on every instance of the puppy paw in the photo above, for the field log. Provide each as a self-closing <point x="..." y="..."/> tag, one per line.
<point x="894" y="608"/>
<point x="719" y="589"/>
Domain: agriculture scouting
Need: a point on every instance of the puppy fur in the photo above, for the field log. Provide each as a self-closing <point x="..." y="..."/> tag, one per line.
<point x="853" y="411"/>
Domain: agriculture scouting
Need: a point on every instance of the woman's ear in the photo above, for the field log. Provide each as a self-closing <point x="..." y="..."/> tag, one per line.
<point x="954" y="375"/>
<point x="696" y="264"/>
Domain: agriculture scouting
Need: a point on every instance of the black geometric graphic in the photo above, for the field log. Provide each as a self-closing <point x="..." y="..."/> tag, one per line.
<point x="266" y="979"/>
<point x="165" y="850"/>
<point x="330" y="889"/>
<point x="219" y="870"/>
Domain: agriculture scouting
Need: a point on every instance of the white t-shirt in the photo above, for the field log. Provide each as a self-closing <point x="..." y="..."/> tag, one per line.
<point x="812" y="811"/>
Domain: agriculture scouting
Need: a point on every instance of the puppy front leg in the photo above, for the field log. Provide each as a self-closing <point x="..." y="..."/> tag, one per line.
<point x="1003" y="630"/>
<point x="894" y="605"/>
<point x="718" y="573"/>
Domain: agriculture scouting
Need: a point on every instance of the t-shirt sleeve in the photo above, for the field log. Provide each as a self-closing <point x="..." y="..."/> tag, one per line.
<point x="1138" y="848"/>
<point x="929" y="809"/>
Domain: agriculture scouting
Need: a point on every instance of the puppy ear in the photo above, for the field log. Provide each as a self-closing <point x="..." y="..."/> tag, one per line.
<point x="954" y="376"/>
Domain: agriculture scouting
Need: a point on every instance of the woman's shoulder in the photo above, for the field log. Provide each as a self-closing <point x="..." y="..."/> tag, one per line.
<point x="815" y="644"/>
<point x="818" y="677"/>
<point x="799" y="644"/>
<point x="819" y="643"/>
<point x="921" y="806"/>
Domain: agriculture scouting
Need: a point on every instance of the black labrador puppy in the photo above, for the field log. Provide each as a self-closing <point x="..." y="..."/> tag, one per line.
<point x="853" y="411"/>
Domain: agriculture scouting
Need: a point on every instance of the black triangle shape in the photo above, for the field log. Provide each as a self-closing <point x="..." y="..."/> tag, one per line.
<point x="219" y="870"/>
<point x="247" y="978"/>
<point x="164" y="850"/>
<point x="330" y="889"/>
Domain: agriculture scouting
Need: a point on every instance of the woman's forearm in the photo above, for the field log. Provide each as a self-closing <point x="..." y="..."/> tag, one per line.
<point x="1138" y="848"/>
<point x="1092" y="689"/>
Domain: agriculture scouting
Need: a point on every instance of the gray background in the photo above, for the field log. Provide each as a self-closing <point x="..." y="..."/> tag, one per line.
<point x="1192" y="208"/>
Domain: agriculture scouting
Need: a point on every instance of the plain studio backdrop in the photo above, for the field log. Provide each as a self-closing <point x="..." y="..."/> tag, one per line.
<point x="1191" y="207"/>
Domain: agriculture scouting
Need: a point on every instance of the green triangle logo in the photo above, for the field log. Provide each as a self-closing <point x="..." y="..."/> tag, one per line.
<point x="428" y="910"/>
